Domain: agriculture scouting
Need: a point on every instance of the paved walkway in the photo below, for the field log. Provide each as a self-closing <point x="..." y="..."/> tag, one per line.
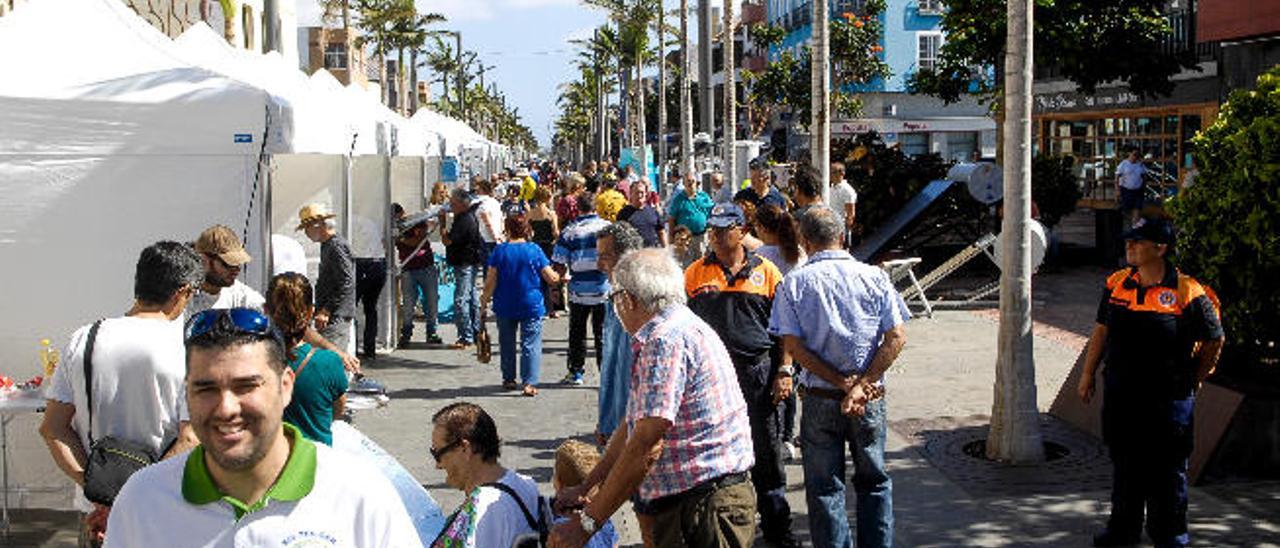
<point x="940" y="394"/>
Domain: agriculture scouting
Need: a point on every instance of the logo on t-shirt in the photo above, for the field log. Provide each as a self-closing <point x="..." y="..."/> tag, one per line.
<point x="309" y="539"/>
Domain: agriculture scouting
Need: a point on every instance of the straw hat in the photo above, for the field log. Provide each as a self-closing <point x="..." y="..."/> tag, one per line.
<point x="311" y="213"/>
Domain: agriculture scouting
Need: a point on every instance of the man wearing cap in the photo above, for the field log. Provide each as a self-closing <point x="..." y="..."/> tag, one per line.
<point x="223" y="257"/>
<point x="336" y="283"/>
<point x="760" y="192"/>
<point x="732" y="290"/>
<point x="1159" y="332"/>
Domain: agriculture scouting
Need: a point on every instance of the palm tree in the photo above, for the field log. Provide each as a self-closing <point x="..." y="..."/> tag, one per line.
<point x="412" y="35"/>
<point x="633" y="18"/>
<point x="1015" y="420"/>
<point x="378" y="20"/>
<point x="820" y="101"/>
<point x="731" y="97"/>
<point x="686" y="102"/>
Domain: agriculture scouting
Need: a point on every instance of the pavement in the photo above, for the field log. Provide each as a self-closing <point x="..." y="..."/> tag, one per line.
<point x="939" y="397"/>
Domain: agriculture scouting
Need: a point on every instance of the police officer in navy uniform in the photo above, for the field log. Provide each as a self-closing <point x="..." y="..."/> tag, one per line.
<point x="1160" y="335"/>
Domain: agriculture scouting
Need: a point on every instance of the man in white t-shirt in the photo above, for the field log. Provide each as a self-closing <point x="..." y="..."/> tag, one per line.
<point x="844" y="199"/>
<point x="137" y="374"/>
<point x="1129" y="183"/>
<point x="254" y="480"/>
<point x="465" y="444"/>
<point x="223" y="257"/>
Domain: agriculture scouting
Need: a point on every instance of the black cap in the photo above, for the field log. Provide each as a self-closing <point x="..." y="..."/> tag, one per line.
<point x="1153" y="230"/>
<point x="759" y="162"/>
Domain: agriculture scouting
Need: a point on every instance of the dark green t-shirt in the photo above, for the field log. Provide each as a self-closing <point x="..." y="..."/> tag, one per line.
<point x="321" y="383"/>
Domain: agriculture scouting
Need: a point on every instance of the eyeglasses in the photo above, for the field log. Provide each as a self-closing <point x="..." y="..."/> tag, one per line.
<point x="217" y="259"/>
<point x="245" y="320"/>
<point x="616" y="292"/>
<point x="438" y="454"/>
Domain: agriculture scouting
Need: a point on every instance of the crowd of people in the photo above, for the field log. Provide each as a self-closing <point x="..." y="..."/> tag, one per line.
<point x="709" y="313"/>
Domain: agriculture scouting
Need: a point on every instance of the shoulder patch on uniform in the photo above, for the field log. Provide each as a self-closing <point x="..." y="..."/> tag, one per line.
<point x="757" y="278"/>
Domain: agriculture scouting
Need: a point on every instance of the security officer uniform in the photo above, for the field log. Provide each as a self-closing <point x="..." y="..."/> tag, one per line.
<point x="1150" y="382"/>
<point x="737" y="306"/>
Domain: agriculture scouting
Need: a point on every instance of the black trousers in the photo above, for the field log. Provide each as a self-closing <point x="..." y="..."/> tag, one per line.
<point x="578" y="316"/>
<point x="768" y="475"/>
<point x="371" y="275"/>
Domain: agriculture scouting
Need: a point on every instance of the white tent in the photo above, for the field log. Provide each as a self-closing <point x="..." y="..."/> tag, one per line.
<point x="121" y="145"/>
<point x="315" y="127"/>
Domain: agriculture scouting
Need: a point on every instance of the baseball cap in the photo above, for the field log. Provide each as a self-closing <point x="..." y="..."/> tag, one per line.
<point x="1153" y="230"/>
<point x="221" y="242"/>
<point x="759" y="162"/>
<point x="726" y="216"/>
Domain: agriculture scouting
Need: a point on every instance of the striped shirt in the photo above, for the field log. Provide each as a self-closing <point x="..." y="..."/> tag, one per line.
<point x="576" y="249"/>
<point x="682" y="373"/>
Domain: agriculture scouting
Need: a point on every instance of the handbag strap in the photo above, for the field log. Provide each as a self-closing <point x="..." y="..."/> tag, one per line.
<point x="304" y="363"/>
<point x="528" y="516"/>
<point x="88" y="374"/>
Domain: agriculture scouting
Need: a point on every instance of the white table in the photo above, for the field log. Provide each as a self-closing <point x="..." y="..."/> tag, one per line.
<point x="12" y="405"/>
<point x="900" y="268"/>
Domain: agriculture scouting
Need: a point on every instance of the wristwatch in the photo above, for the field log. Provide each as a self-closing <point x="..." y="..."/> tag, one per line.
<point x="588" y="524"/>
<point x="787" y="370"/>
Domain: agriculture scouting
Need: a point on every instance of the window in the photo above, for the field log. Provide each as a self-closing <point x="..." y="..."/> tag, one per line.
<point x="335" y="56"/>
<point x="927" y="53"/>
<point x="930" y="7"/>
<point x="914" y="144"/>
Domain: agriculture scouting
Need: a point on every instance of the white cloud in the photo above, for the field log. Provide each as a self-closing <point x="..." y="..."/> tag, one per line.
<point x="526" y="4"/>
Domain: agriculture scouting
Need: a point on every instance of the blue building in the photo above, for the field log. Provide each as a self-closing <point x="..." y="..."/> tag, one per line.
<point x="912" y="39"/>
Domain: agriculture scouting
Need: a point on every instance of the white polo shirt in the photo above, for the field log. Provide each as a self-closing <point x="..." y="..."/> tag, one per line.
<point x="322" y="498"/>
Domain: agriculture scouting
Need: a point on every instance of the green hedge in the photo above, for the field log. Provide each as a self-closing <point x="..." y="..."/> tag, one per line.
<point x="1230" y="217"/>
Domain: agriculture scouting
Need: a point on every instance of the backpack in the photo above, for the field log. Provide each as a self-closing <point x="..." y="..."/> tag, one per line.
<point x="541" y="529"/>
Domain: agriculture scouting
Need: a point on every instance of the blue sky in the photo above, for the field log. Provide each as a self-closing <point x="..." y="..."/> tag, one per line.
<point x="527" y="43"/>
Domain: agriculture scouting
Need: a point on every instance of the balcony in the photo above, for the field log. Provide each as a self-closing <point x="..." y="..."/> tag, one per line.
<point x="752" y="14"/>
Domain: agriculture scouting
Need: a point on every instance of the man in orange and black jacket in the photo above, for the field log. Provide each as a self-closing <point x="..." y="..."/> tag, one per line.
<point x="1159" y="332"/>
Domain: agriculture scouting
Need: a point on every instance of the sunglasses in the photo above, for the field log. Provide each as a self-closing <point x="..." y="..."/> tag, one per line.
<point x="243" y="320"/>
<point x="438" y="454"/>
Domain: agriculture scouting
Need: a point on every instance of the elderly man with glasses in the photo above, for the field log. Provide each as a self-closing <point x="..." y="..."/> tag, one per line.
<point x="686" y="448"/>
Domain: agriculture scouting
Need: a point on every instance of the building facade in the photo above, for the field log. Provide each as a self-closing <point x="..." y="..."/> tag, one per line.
<point x="245" y="27"/>
<point x="912" y="39"/>
<point x="1233" y="41"/>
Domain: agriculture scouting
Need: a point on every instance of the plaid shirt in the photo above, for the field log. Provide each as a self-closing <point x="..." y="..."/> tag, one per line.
<point x="682" y="373"/>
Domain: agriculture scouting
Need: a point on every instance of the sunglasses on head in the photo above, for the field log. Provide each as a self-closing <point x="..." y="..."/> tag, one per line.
<point x="244" y="320"/>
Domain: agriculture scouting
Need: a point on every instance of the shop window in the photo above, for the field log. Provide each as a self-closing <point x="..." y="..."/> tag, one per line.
<point x="914" y="144"/>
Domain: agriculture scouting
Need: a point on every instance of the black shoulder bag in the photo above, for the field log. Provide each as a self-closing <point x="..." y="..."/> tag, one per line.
<point x="111" y="460"/>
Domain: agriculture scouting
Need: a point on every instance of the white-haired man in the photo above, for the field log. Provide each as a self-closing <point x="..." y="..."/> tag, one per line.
<point x="686" y="446"/>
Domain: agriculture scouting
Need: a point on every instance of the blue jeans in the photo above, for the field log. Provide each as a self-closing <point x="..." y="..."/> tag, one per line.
<point x="824" y="434"/>
<point x="419" y="286"/>
<point x="466" y="302"/>
<point x="530" y="348"/>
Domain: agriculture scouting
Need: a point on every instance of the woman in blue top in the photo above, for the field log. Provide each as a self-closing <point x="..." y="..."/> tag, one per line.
<point x="320" y="381"/>
<point x="513" y="285"/>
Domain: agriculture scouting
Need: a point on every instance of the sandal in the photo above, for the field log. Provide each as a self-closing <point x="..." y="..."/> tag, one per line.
<point x="510" y="385"/>
<point x="530" y="390"/>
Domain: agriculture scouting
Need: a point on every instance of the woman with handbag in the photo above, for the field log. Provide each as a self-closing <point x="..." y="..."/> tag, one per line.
<point x="320" y="382"/>
<point x="515" y="270"/>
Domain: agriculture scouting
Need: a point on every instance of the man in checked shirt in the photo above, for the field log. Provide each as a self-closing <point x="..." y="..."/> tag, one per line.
<point x="687" y="441"/>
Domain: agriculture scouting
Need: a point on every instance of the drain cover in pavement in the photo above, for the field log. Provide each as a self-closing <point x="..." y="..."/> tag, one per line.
<point x="1075" y="461"/>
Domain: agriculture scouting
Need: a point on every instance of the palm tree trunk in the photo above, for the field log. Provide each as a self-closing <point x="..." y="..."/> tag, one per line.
<point x="662" y="98"/>
<point x="686" y="99"/>
<point x="228" y="20"/>
<point x="642" y="155"/>
<point x="731" y="98"/>
<point x="402" y="102"/>
<point x="820" y="105"/>
<point x="1015" y="420"/>
<point x="413" y="81"/>
<point x="384" y="96"/>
